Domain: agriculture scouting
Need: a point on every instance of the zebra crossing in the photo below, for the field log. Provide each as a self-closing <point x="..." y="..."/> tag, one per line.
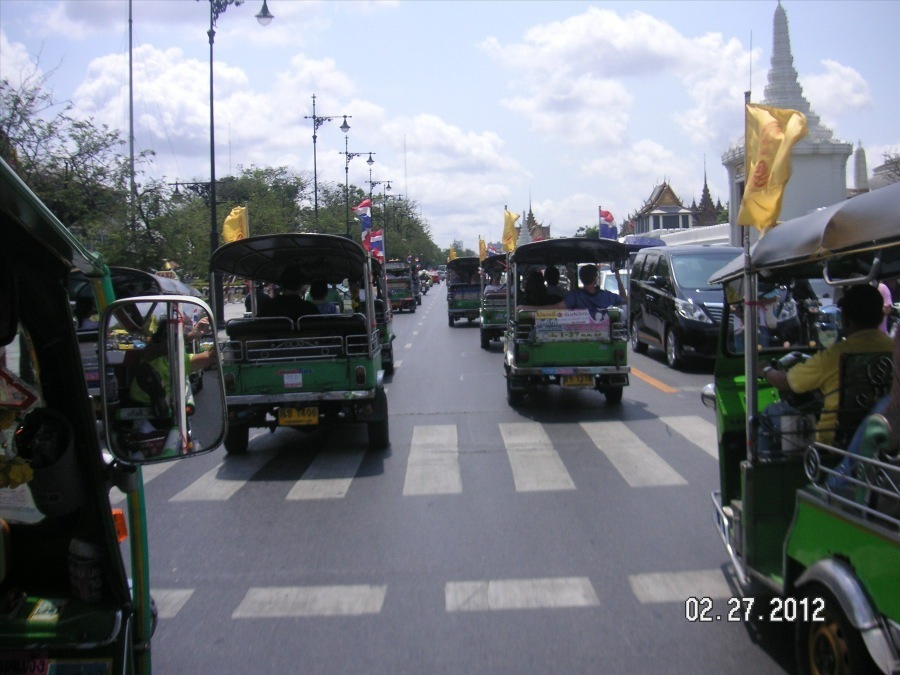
<point x="433" y="469"/>
<point x="433" y="465"/>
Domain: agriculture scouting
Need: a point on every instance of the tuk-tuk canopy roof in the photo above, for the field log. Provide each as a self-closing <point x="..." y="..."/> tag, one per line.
<point x="857" y="225"/>
<point x="569" y="250"/>
<point x="494" y="263"/>
<point x="317" y="256"/>
<point x="463" y="266"/>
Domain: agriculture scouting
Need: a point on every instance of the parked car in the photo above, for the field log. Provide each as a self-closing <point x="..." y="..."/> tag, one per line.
<point x="672" y="306"/>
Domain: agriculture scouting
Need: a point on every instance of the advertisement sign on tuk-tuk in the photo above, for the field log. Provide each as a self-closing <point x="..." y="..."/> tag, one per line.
<point x="308" y="369"/>
<point x="554" y="345"/>
<point x="808" y="505"/>
<point x="70" y="602"/>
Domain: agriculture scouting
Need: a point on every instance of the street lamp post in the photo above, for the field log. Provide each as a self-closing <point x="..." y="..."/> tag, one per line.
<point x="264" y="17"/>
<point x="347" y="157"/>
<point x="317" y="122"/>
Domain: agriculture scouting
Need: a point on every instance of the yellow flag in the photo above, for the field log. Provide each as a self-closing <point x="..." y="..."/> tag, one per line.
<point x="236" y="225"/>
<point x="452" y="255"/>
<point x="771" y="134"/>
<point x="509" y="230"/>
<point x="482" y="250"/>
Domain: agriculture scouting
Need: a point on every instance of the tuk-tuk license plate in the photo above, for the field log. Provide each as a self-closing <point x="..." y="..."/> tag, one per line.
<point x="298" y="417"/>
<point x="578" y="380"/>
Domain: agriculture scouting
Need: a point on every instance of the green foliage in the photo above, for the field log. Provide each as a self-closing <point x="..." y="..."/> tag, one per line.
<point x="79" y="170"/>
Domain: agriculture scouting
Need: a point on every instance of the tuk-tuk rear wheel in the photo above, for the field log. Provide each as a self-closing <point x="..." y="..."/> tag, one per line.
<point x="832" y="646"/>
<point x="379" y="435"/>
<point x="513" y="396"/>
<point x="238" y="439"/>
<point x="485" y="340"/>
<point x="613" y="395"/>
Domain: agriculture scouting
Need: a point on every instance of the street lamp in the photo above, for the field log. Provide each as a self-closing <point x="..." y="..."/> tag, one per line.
<point x="347" y="157"/>
<point x="317" y="122"/>
<point x="264" y="17"/>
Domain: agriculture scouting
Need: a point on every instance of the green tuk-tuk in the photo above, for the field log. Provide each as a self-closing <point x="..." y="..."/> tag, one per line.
<point x="566" y="347"/>
<point x="493" y="302"/>
<point x="384" y="317"/>
<point x="463" y="289"/>
<point x="401" y="286"/>
<point x="306" y="371"/>
<point x="70" y="604"/>
<point x="817" y="524"/>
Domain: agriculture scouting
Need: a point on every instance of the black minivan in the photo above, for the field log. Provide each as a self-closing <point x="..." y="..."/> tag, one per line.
<point x="671" y="304"/>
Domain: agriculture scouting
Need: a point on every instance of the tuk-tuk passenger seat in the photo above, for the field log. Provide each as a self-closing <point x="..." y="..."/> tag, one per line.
<point x="864" y="379"/>
<point x="259" y="328"/>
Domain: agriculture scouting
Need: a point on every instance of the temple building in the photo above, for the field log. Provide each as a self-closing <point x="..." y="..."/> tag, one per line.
<point x="819" y="162"/>
<point x="531" y="230"/>
<point x="706" y="213"/>
<point x="663" y="210"/>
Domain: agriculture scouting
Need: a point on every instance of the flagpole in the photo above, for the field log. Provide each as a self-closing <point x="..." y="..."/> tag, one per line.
<point x="751" y="317"/>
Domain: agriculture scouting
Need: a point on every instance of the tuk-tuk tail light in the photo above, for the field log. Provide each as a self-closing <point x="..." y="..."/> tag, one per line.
<point x="229" y="381"/>
<point x="361" y="375"/>
<point x="121" y="526"/>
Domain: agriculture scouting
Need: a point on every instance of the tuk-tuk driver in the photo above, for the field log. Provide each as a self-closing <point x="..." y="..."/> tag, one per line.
<point x="590" y="296"/>
<point x="861" y="314"/>
<point x="496" y="284"/>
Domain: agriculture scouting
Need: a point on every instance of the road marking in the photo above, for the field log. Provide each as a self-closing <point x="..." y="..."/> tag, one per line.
<point x="224" y="480"/>
<point x="397" y="364"/>
<point x="536" y="466"/>
<point x="148" y="472"/>
<point x="169" y="601"/>
<point x="287" y="601"/>
<point x="500" y="594"/>
<point x="639" y="465"/>
<point x="329" y="476"/>
<point x="652" y="381"/>
<point x="415" y="332"/>
<point x="433" y="465"/>
<point x="407" y="345"/>
<point x="679" y="586"/>
<point x="699" y="431"/>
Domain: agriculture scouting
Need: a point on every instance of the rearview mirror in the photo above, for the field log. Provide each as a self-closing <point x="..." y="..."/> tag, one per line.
<point x="166" y="399"/>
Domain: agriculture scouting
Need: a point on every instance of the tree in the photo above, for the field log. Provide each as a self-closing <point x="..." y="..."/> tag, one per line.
<point x="892" y="166"/>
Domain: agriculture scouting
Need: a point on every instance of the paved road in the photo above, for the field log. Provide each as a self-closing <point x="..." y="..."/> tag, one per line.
<point x="563" y="536"/>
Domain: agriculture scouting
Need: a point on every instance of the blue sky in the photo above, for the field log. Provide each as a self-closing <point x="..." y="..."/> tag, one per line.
<point x="468" y="106"/>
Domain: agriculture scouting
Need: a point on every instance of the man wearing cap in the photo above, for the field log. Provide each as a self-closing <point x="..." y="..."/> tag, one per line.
<point x="861" y="313"/>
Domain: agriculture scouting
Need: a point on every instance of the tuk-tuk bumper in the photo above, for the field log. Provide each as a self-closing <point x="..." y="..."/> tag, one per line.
<point x="604" y="376"/>
<point x="463" y="313"/>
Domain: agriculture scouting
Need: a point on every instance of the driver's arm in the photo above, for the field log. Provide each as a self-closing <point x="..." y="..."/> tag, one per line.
<point x="622" y="293"/>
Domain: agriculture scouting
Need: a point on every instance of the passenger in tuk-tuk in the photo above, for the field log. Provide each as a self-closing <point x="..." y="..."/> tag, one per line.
<point x="291" y="302"/>
<point x="589" y="296"/>
<point x="496" y="285"/>
<point x="326" y="298"/>
<point x="535" y="294"/>
<point x="551" y="276"/>
<point x="861" y="313"/>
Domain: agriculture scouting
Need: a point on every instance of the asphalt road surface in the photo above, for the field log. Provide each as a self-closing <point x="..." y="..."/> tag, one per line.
<point x="564" y="536"/>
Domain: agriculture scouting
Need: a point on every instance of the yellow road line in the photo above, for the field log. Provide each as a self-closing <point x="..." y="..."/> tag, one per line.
<point x="653" y="382"/>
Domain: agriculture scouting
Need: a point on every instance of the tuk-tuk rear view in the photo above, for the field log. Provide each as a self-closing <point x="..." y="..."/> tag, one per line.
<point x="552" y="342"/>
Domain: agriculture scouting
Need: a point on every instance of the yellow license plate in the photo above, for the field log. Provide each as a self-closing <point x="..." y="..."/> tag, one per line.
<point x="578" y="381"/>
<point x="298" y="417"/>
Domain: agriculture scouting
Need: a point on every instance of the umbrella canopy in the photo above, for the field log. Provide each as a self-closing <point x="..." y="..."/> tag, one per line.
<point x="864" y="223"/>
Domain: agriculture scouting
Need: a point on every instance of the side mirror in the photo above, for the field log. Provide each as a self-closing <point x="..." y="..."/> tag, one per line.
<point x="657" y="281"/>
<point x="166" y="399"/>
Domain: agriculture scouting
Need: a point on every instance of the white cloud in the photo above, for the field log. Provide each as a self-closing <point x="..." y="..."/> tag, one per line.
<point x="837" y="91"/>
<point x="16" y="65"/>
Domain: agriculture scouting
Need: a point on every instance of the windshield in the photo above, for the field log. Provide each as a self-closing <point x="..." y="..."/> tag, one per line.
<point x="694" y="270"/>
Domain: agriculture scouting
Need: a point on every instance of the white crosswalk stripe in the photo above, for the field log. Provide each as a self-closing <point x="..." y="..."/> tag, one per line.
<point x="638" y="464"/>
<point x="329" y="476"/>
<point x="148" y="472"/>
<point x="536" y="466"/>
<point x="433" y="465"/>
<point x="678" y="586"/>
<point x="500" y="594"/>
<point x="224" y="480"/>
<point x="280" y="602"/>
<point x="697" y="430"/>
<point x="169" y="601"/>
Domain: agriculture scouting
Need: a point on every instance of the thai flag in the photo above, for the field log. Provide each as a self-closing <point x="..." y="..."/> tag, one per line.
<point x="492" y="250"/>
<point x="363" y="211"/>
<point x="374" y="244"/>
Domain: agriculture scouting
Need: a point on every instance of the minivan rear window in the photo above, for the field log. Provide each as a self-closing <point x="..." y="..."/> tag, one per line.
<point x="694" y="270"/>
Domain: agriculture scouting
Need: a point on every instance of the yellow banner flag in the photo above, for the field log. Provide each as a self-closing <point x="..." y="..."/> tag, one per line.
<point x="452" y="255"/>
<point x="482" y="249"/>
<point x="509" y="230"/>
<point x="236" y="225"/>
<point x="771" y="134"/>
